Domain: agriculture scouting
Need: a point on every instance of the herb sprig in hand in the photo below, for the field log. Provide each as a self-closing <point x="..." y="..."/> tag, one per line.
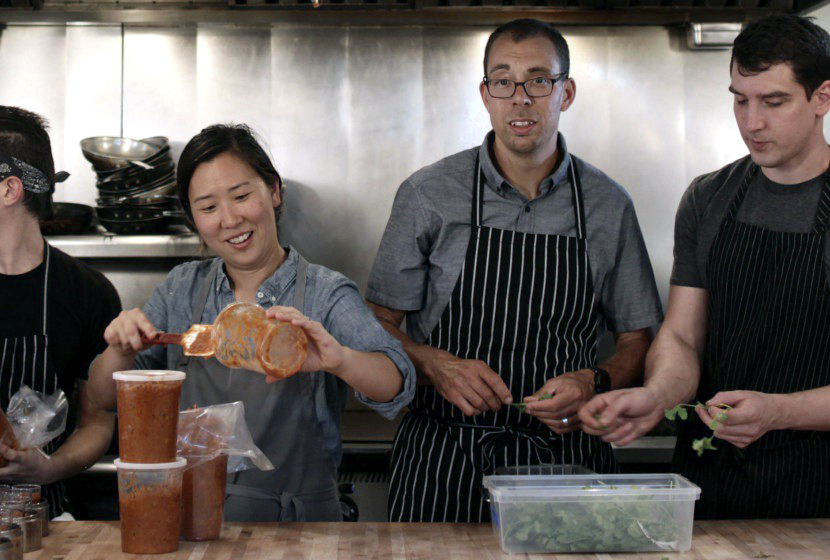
<point x="681" y="411"/>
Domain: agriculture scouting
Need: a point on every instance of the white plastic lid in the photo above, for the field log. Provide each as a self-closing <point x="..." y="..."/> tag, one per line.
<point x="177" y="464"/>
<point x="148" y="375"/>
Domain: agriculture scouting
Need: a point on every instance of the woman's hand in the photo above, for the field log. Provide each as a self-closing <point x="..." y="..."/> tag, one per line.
<point x="124" y="334"/>
<point x="324" y="352"/>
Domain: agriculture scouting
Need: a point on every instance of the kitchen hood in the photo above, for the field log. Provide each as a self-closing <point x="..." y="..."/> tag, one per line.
<point x="397" y="12"/>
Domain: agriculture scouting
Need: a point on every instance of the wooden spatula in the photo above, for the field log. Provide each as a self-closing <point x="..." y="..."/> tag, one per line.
<point x="196" y="341"/>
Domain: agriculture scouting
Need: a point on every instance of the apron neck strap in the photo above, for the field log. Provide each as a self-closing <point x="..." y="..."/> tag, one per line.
<point x="477" y="209"/>
<point x="299" y="288"/>
<point x="732" y="213"/>
<point x="46" y="253"/>
<point x="201" y="299"/>
<point x="823" y="210"/>
<point x="579" y="207"/>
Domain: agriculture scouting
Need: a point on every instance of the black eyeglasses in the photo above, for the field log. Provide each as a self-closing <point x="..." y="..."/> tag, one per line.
<point x="503" y="88"/>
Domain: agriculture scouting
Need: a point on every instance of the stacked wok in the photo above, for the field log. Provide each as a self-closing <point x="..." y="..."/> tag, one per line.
<point x="136" y="181"/>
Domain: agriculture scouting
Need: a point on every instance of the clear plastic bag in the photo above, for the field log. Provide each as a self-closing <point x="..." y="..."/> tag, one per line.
<point x="205" y="433"/>
<point x="36" y="418"/>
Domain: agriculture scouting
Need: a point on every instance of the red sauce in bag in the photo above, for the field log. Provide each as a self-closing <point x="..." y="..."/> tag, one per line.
<point x="148" y="414"/>
<point x="7" y="436"/>
<point x="203" y="498"/>
<point x="244" y="337"/>
<point x="150" y="506"/>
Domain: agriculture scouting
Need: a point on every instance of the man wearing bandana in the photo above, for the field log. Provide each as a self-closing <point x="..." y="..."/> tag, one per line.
<point x="53" y="312"/>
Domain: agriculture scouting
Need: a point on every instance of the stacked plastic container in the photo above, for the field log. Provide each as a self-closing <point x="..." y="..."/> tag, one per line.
<point x="149" y="472"/>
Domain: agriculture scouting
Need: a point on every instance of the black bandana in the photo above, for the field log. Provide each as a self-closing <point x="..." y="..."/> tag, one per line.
<point x="34" y="180"/>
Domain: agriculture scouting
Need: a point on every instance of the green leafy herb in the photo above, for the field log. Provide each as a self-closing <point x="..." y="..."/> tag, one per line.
<point x="702" y="444"/>
<point x="520" y="406"/>
<point x="614" y="524"/>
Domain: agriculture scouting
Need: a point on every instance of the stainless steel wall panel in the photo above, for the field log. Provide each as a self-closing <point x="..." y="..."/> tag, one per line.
<point x="233" y="77"/>
<point x="454" y="117"/>
<point x="92" y="101"/>
<point x="310" y="107"/>
<point x="386" y="77"/>
<point x="646" y="103"/>
<point x="33" y="70"/>
<point x="160" y="83"/>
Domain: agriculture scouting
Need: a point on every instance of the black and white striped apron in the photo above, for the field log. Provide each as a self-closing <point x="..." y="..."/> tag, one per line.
<point x="769" y="331"/>
<point x="524" y="305"/>
<point x="25" y="361"/>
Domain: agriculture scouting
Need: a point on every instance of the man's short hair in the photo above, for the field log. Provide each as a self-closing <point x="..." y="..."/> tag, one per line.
<point x="24" y="135"/>
<point x="521" y="29"/>
<point x="787" y="39"/>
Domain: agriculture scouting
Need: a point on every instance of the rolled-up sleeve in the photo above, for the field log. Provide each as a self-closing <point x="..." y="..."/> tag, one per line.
<point x="351" y="322"/>
<point x="399" y="274"/>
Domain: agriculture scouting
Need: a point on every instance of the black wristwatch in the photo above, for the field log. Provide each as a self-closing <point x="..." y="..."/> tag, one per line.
<point x="602" y="381"/>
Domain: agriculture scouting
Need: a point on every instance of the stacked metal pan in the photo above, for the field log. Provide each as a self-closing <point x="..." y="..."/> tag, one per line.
<point x="136" y="184"/>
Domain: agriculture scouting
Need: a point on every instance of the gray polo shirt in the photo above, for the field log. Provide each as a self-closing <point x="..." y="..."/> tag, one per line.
<point x="423" y="248"/>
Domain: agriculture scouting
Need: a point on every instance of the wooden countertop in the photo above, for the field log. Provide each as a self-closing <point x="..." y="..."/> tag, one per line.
<point x="713" y="540"/>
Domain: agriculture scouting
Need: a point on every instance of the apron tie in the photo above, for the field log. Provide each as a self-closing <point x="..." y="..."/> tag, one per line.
<point x="496" y="437"/>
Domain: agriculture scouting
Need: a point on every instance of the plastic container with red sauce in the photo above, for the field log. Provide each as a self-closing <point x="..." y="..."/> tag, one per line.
<point x="203" y="497"/>
<point x="150" y="503"/>
<point x="244" y="337"/>
<point x="148" y="413"/>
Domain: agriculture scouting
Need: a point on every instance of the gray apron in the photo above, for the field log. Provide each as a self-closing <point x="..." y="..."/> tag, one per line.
<point x="280" y="416"/>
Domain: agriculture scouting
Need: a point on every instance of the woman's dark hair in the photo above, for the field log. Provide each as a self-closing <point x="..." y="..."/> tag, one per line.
<point x="521" y="29"/>
<point x="787" y="39"/>
<point x="24" y="135"/>
<point x="235" y="139"/>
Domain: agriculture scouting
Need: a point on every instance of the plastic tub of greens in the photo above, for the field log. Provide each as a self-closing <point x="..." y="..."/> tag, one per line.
<point x="592" y="513"/>
<point x="544" y="468"/>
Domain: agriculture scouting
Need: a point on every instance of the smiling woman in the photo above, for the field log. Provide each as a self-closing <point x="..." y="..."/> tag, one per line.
<point x="231" y="192"/>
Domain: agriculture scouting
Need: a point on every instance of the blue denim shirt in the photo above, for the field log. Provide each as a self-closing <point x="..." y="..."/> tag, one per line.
<point x="330" y="298"/>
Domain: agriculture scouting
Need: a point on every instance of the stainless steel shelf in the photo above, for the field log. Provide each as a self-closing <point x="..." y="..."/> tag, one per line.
<point x="103" y="246"/>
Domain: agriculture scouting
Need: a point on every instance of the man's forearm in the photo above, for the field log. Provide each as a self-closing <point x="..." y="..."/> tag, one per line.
<point x="628" y="361"/>
<point x="672" y="369"/>
<point x="805" y="410"/>
<point x="82" y="449"/>
<point x="422" y="355"/>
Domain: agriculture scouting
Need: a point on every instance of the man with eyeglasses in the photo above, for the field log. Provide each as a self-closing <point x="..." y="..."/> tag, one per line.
<point x="506" y="261"/>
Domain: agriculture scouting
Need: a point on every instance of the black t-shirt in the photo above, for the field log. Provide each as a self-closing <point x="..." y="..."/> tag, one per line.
<point x="770" y="205"/>
<point x="81" y="303"/>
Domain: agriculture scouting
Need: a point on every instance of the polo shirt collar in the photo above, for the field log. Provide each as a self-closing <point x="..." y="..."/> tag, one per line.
<point x="501" y="186"/>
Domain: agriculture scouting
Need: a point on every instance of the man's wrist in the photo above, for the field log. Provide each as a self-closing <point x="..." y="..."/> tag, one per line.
<point x="783" y="408"/>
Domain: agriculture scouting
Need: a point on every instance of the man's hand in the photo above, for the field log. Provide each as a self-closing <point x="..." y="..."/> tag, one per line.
<point x="752" y="415"/>
<point x="468" y="384"/>
<point x="26" y="465"/>
<point x="569" y="392"/>
<point x="622" y="416"/>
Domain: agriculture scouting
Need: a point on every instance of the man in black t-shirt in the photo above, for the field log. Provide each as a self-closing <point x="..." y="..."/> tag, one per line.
<point x="53" y="312"/>
<point x="747" y="330"/>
